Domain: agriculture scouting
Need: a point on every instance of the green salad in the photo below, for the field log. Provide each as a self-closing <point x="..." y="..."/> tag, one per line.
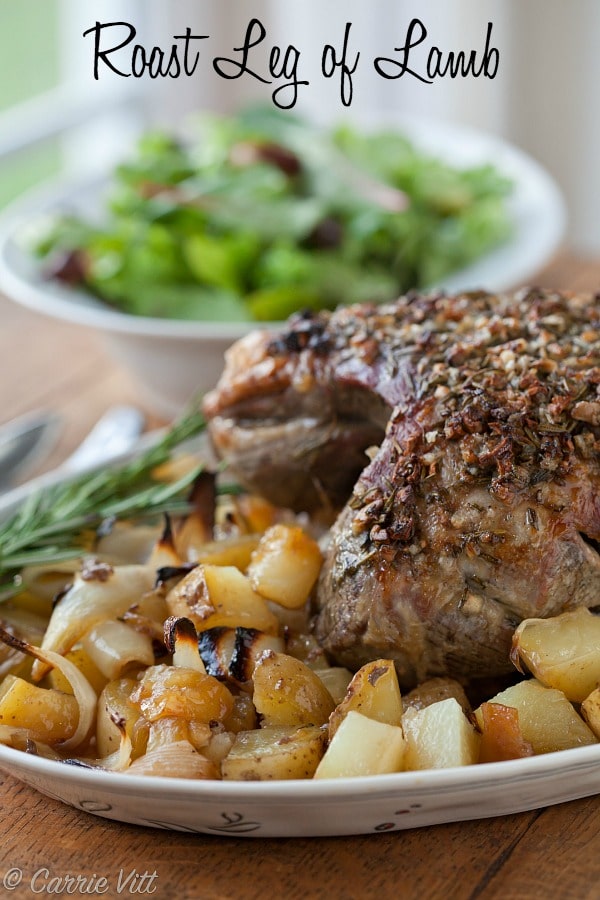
<point x="262" y="214"/>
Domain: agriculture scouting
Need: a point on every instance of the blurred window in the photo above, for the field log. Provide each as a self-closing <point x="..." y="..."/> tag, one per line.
<point x="48" y="121"/>
<point x="30" y="64"/>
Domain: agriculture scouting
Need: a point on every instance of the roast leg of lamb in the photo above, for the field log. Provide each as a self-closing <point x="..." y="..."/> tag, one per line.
<point x="480" y="415"/>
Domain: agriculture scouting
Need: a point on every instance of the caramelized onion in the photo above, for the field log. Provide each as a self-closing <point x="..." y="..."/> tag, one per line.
<point x="181" y="639"/>
<point x="19" y="739"/>
<point x="82" y="689"/>
<point x="90" y="601"/>
<point x="114" y="648"/>
<point x="177" y="760"/>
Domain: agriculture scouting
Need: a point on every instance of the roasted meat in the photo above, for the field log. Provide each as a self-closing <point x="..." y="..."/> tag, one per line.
<point x="480" y="415"/>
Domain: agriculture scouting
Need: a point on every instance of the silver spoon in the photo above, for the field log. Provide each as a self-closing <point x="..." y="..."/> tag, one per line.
<point x="25" y="441"/>
<point x="113" y="434"/>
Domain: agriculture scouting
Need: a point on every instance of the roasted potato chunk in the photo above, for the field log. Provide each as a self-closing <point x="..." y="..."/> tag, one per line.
<point x="501" y="735"/>
<point x="562" y="652"/>
<point x="434" y="690"/>
<point x="362" y="746"/>
<point x="243" y="715"/>
<point x="337" y="680"/>
<point x="275" y="753"/>
<point x="547" y="720"/>
<point x="590" y="710"/>
<point x="235" y="551"/>
<point x="79" y="658"/>
<point x="439" y="736"/>
<point x="255" y="514"/>
<point x="374" y="693"/>
<point x="288" y="693"/>
<point x="50" y="716"/>
<point x="214" y="596"/>
<point x="306" y="648"/>
<point x="285" y="565"/>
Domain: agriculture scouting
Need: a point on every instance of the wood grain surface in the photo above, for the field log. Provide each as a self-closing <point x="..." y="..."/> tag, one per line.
<point x="548" y="853"/>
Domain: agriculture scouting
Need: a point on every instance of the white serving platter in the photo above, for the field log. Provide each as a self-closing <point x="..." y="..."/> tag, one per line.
<point x="343" y="806"/>
<point x="340" y="807"/>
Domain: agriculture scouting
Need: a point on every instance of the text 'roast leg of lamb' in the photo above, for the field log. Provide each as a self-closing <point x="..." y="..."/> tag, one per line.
<point x="480" y="505"/>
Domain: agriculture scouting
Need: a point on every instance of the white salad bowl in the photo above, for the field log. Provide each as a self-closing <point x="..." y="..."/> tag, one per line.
<point x="172" y="360"/>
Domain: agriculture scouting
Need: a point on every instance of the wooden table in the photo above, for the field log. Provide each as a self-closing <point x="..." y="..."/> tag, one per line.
<point x="548" y="853"/>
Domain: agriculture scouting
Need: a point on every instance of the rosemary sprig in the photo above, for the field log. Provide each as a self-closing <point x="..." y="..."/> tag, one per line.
<point x="53" y="524"/>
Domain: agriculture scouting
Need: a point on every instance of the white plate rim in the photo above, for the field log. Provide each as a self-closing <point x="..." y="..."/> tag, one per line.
<point x="421" y="781"/>
<point x="308" y="808"/>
